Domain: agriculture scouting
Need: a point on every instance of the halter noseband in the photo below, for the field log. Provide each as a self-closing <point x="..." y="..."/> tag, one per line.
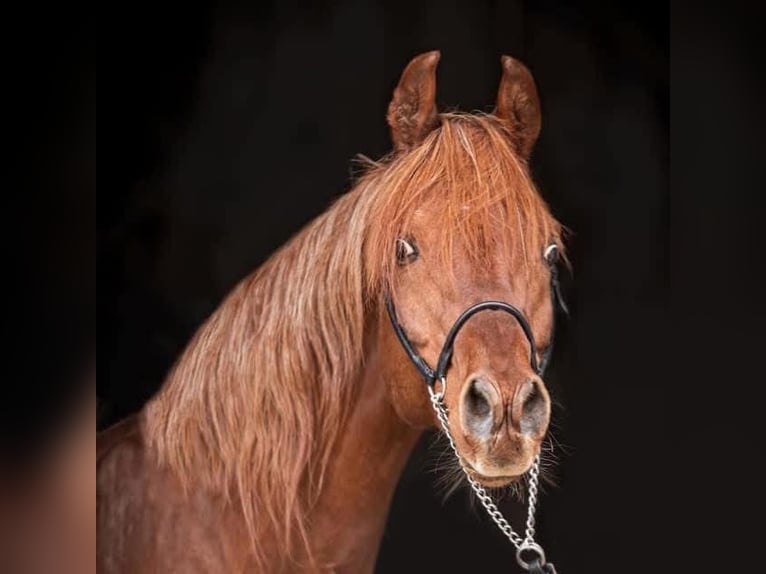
<point x="431" y="376"/>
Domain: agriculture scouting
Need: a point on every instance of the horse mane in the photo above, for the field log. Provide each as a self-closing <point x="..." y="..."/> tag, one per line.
<point x="254" y="405"/>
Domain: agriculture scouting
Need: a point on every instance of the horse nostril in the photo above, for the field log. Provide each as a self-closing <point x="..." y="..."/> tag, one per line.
<point x="476" y="402"/>
<point x="477" y="408"/>
<point x="534" y="410"/>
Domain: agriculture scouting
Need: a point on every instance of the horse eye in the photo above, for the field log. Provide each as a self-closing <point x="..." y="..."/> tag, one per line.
<point x="406" y="251"/>
<point x="551" y="254"/>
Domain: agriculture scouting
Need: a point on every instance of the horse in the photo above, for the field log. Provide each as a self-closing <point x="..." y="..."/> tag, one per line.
<point x="277" y="440"/>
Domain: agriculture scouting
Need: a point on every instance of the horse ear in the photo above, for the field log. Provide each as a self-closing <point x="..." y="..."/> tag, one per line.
<point x="518" y="104"/>
<point x="412" y="112"/>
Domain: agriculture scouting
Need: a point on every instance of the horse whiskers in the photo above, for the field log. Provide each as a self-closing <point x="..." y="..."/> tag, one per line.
<point x="555" y="443"/>
<point x="549" y="460"/>
<point x="451" y="476"/>
<point x="451" y="482"/>
<point x="516" y="491"/>
<point x="444" y="452"/>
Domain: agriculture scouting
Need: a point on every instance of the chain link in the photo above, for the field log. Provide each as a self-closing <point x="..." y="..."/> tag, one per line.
<point x="437" y="401"/>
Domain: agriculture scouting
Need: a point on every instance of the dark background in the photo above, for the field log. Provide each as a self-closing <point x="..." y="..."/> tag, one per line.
<point x="47" y="226"/>
<point x="234" y="124"/>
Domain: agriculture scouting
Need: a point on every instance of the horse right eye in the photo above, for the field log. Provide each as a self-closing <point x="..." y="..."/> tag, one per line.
<point x="406" y="251"/>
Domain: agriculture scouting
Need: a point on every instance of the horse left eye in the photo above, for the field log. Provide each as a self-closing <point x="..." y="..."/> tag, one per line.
<point x="406" y="251"/>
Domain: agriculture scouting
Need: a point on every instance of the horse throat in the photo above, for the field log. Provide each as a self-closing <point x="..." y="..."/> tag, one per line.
<point x="348" y="521"/>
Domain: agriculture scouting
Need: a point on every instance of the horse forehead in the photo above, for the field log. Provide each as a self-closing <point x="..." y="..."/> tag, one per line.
<point x="496" y="279"/>
<point x="499" y="262"/>
<point x="435" y="209"/>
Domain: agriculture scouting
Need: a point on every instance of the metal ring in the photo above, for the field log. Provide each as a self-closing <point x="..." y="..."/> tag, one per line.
<point x="440" y="395"/>
<point x="533" y="547"/>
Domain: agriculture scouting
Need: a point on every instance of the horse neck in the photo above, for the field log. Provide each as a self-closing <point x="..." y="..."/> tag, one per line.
<point x="350" y="515"/>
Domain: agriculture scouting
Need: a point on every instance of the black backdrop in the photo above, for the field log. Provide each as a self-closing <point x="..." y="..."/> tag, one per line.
<point x="235" y="127"/>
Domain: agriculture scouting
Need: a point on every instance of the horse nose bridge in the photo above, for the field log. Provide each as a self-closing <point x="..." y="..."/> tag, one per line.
<point x="496" y="344"/>
<point x="497" y="341"/>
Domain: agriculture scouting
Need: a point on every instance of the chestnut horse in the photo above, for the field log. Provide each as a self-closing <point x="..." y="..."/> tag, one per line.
<point x="277" y="441"/>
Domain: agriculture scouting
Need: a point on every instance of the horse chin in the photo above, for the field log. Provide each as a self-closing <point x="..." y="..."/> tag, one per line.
<point x="494" y="481"/>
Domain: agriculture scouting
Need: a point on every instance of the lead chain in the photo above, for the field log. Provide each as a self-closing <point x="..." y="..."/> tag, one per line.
<point x="437" y="401"/>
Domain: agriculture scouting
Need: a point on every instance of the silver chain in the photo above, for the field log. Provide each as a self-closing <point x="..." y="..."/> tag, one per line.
<point x="521" y="544"/>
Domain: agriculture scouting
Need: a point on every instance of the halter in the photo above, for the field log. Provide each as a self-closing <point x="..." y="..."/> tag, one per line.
<point x="431" y="376"/>
<point x="529" y="554"/>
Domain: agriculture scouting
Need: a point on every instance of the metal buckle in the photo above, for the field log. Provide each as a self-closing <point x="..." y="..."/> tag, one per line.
<point x="440" y="395"/>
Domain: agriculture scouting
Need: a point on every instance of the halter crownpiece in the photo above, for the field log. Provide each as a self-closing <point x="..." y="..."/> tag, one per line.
<point x="529" y="554"/>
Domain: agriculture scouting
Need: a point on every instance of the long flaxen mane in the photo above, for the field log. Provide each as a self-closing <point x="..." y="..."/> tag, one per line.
<point x="253" y="407"/>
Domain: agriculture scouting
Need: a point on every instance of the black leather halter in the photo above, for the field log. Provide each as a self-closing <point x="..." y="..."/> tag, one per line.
<point x="432" y="375"/>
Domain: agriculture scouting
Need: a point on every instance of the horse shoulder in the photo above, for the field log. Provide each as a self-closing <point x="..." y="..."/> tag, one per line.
<point x="148" y="523"/>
